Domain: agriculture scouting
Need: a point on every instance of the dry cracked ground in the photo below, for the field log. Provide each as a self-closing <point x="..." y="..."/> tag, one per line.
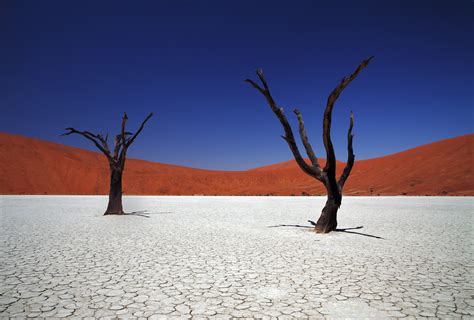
<point x="233" y="257"/>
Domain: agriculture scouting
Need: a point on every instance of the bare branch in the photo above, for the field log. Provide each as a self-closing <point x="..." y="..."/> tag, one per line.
<point x="289" y="136"/>
<point x="130" y="141"/>
<point x="306" y="144"/>
<point x="90" y="134"/>
<point x="104" y="142"/>
<point x="117" y="145"/>
<point x="262" y="79"/>
<point x="120" y="151"/>
<point x="91" y="137"/>
<point x="350" y="156"/>
<point x="120" y="143"/>
<point x="124" y="121"/>
<point x="256" y="86"/>
<point x="330" y="156"/>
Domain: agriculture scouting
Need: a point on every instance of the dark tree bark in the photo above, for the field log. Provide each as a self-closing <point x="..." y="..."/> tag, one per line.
<point x="116" y="159"/>
<point x="327" y="221"/>
<point x="115" y="192"/>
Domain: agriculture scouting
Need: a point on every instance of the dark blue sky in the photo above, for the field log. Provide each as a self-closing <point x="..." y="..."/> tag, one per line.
<point x="82" y="63"/>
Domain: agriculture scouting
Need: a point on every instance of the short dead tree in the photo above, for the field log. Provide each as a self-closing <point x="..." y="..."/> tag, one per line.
<point x="327" y="221"/>
<point x="116" y="159"/>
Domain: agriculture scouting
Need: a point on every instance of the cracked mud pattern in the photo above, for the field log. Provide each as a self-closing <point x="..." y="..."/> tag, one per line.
<point x="225" y="257"/>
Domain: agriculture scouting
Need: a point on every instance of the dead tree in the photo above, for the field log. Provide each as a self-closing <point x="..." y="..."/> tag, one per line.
<point x="327" y="221"/>
<point x="116" y="159"/>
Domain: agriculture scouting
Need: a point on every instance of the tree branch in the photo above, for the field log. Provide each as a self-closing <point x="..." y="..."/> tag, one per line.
<point x="92" y="137"/>
<point x="306" y="144"/>
<point x="124" y="121"/>
<point x="130" y="141"/>
<point x="122" y="142"/>
<point x="350" y="156"/>
<point x="289" y="137"/>
<point x="256" y="86"/>
<point x="330" y="156"/>
<point x="104" y="142"/>
<point x="117" y="145"/>
<point x="126" y="142"/>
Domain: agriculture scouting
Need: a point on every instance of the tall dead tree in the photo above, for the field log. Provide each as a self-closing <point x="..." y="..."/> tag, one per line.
<point x="327" y="221"/>
<point x="116" y="159"/>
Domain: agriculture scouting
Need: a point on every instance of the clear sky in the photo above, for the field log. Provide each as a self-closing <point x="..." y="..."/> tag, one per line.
<point x="83" y="63"/>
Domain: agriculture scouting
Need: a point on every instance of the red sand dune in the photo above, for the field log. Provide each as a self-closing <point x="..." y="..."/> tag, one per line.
<point x="32" y="166"/>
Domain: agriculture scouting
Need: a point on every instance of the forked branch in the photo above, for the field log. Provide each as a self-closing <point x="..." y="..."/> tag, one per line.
<point x="125" y="141"/>
<point x="305" y="141"/>
<point x="122" y="141"/>
<point x="330" y="166"/>
<point x="289" y="136"/>
<point x="327" y="221"/>
<point x="104" y="142"/>
<point x="92" y="137"/>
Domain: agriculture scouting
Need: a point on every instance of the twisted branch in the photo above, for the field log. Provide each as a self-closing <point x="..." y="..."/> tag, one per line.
<point x="92" y="137"/>
<point x="306" y="144"/>
<point x="327" y="175"/>
<point x="289" y="136"/>
<point x="330" y="166"/>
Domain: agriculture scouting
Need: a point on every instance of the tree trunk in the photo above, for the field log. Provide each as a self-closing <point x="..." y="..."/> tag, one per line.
<point x="115" y="193"/>
<point x="327" y="221"/>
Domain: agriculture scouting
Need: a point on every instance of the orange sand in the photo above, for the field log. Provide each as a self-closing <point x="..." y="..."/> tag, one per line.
<point x="32" y="166"/>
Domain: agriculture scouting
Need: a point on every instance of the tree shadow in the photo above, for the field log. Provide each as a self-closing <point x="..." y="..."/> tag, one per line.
<point x="354" y="228"/>
<point x="359" y="233"/>
<point x="144" y="213"/>
<point x="290" y="225"/>
<point x="137" y="214"/>
<point x="346" y="230"/>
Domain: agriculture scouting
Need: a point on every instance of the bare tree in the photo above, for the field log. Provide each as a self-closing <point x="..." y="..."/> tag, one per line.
<point x="327" y="221"/>
<point x="116" y="159"/>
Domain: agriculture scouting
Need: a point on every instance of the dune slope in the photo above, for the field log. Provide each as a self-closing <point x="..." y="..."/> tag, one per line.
<point x="32" y="166"/>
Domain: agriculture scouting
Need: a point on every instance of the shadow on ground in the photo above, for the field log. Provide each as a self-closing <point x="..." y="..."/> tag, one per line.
<point x="144" y="213"/>
<point x="346" y="230"/>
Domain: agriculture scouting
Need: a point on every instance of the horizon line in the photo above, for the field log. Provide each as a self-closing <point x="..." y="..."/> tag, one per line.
<point x="244" y="170"/>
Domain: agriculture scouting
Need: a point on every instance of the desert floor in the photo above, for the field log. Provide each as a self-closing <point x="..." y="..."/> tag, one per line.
<point x="222" y="257"/>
